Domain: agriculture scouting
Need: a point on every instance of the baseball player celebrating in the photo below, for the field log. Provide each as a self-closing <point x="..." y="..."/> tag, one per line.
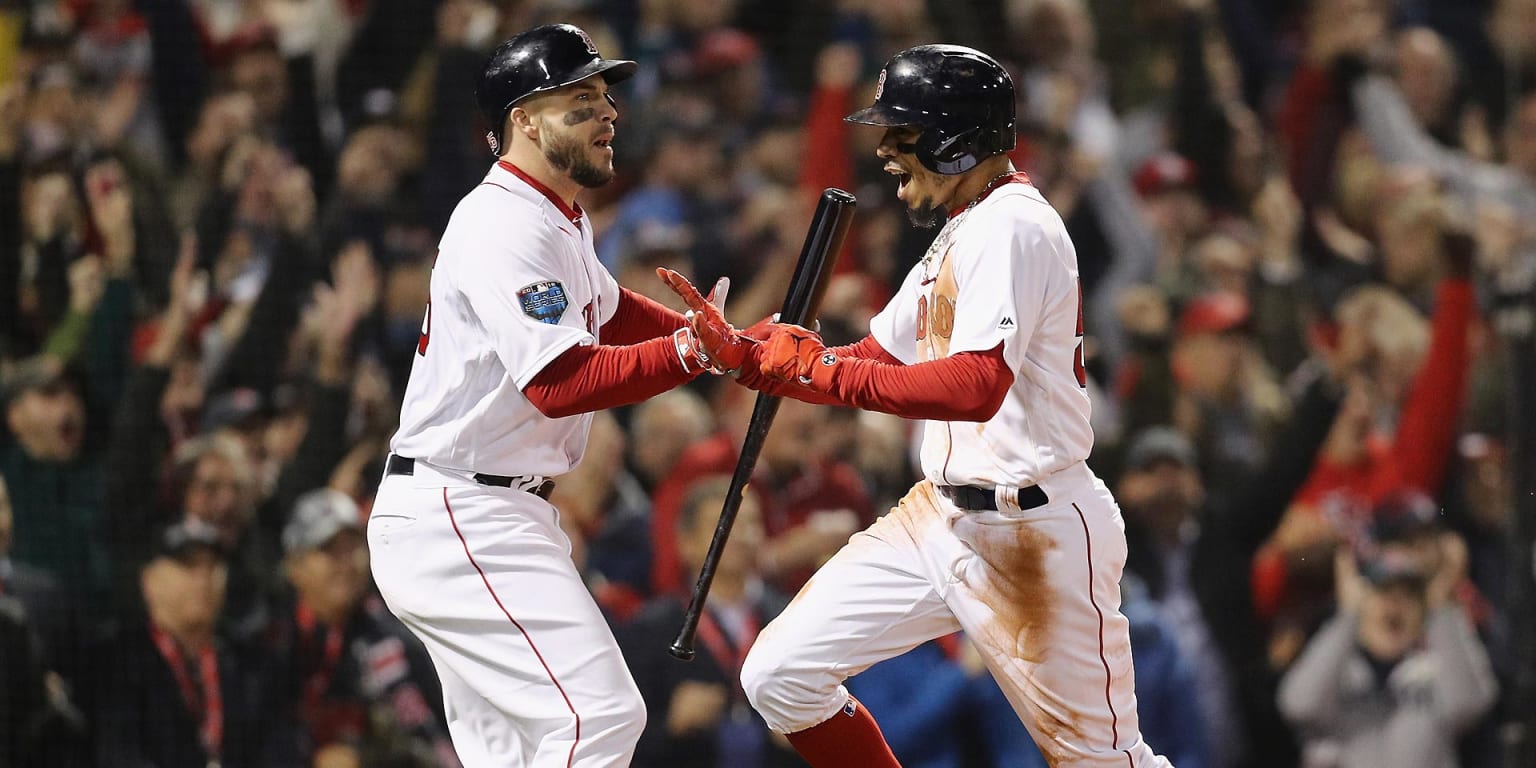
<point x="524" y="337"/>
<point x="1010" y="536"/>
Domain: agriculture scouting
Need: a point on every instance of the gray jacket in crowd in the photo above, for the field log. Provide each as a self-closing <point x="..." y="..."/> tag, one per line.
<point x="1397" y="138"/>
<point x="1348" y="718"/>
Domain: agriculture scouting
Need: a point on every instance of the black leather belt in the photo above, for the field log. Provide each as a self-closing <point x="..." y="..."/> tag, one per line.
<point x="400" y="465"/>
<point x="970" y="497"/>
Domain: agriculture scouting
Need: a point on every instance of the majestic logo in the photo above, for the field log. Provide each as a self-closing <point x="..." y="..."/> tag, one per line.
<point x="591" y="46"/>
<point x="880" y="85"/>
<point x="1006" y="323"/>
<point x="544" y="302"/>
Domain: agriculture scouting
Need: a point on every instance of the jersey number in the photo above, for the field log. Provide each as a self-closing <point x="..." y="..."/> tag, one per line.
<point x="426" y="331"/>
<point x="1077" y="361"/>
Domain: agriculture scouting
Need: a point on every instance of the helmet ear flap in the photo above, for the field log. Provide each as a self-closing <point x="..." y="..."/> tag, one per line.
<point x="948" y="154"/>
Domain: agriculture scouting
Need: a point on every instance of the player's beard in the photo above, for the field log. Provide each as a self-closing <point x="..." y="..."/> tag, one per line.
<point x="923" y="208"/>
<point x="569" y="156"/>
<point x="925" y="213"/>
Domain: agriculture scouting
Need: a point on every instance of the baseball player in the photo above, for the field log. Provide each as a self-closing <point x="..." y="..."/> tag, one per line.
<point x="1009" y="536"/>
<point x="525" y="335"/>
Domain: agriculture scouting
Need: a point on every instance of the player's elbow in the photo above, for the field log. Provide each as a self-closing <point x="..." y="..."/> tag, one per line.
<point x="986" y="399"/>
<point x="992" y="401"/>
<point x="546" y="400"/>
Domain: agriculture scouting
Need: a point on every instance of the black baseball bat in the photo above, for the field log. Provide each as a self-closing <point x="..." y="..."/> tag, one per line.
<point x="823" y="243"/>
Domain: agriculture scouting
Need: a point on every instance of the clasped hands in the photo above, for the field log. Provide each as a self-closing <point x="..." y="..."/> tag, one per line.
<point x="781" y="351"/>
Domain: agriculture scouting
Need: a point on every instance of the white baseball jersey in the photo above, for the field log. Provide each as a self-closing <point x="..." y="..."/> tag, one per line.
<point x="516" y="283"/>
<point x="1037" y="590"/>
<point x="531" y="674"/>
<point x="1002" y="271"/>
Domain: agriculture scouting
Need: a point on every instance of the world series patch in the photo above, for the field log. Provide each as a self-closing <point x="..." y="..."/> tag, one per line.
<point x="544" y="302"/>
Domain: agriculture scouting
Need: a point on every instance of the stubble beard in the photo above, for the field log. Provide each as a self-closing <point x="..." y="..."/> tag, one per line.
<point x="569" y="156"/>
<point x="926" y="214"/>
<point x="925" y="211"/>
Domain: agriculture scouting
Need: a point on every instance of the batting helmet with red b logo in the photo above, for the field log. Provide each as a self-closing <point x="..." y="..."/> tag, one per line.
<point x="540" y="59"/>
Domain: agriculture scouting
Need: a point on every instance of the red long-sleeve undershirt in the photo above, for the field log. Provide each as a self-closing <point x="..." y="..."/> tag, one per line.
<point x="638" y="318"/>
<point x="640" y="363"/>
<point x="968" y="386"/>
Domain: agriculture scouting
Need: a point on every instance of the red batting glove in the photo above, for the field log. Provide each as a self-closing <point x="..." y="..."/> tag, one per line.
<point x="763" y="328"/>
<point x="722" y="344"/>
<point x="797" y="354"/>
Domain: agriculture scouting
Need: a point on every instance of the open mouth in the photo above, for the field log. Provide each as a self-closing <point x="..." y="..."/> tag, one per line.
<point x="605" y="142"/>
<point x="902" y="178"/>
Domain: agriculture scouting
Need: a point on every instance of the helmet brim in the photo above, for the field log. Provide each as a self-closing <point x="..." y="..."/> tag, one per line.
<point x="882" y="115"/>
<point x="612" y="70"/>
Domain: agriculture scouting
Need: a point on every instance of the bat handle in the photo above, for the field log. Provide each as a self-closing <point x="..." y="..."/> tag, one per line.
<point x="682" y="647"/>
<point x="757" y="431"/>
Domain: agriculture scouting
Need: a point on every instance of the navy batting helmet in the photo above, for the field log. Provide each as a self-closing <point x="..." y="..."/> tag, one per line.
<point x="540" y="59"/>
<point x="961" y="98"/>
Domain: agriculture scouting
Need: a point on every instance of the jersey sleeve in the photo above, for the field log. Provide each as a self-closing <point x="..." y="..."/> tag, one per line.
<point x="517" y="289"/>
<point x="895" y="326"/>
<point x="607" y="294"/>
<point x="1001" y="273"/>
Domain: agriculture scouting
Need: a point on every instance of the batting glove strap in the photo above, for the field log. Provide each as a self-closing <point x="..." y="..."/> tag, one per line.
<point x="689" y="352"/>
<point x="822" y="371"/>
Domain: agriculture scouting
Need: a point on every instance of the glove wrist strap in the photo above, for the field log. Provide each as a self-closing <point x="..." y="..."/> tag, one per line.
<point x="689" y="353"/>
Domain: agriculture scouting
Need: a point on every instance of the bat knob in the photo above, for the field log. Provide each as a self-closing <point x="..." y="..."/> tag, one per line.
<point x="680" y="651"/>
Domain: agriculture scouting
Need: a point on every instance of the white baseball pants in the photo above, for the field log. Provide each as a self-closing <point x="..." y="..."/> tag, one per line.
<point x="532" y="677"/>
<point x="1037" y="591"/>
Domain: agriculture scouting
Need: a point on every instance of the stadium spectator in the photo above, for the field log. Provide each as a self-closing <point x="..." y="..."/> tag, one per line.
<point x="54" y="477"/>
<point x="1396" y="676"/>
<point x="811" y="504"/>
<point x="172" y="691"/>
<point x="699" y="715"/>
<point x="606" y="514"/>
<point x="668" y="423"/>
<point x="352" y="680"/>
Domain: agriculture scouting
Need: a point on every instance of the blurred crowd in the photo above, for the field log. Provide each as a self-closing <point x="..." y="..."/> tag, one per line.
<point x="1296" y="222"/>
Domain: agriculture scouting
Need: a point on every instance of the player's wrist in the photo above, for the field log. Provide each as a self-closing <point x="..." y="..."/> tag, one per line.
<point x="690" y="353"/>
<point x="822" y="371"/>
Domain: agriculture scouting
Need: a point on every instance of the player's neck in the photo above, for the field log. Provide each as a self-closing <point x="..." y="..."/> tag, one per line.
<point x="975" y="181"/>
<point x="528" y="159"/>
